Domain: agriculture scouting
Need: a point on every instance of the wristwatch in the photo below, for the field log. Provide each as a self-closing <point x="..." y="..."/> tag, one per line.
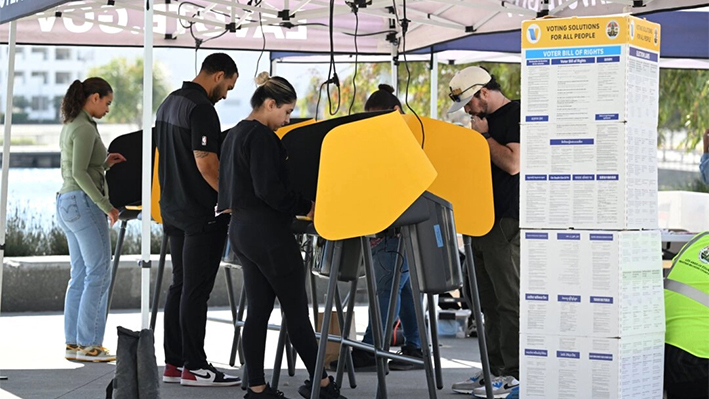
<point x="486" y="135"/>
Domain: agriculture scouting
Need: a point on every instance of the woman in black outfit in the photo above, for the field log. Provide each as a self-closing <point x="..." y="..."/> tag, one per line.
<point x="253" y="183"/>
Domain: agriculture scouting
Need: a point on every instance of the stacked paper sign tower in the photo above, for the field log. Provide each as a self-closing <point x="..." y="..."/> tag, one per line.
<point x="557" y="366"/>
<point x="589" y="123"/>
<point x="592" y="305"/>
<point x="592" y="283"/>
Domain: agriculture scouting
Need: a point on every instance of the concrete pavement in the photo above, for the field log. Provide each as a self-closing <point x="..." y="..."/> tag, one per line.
<point x="32" y="350"/>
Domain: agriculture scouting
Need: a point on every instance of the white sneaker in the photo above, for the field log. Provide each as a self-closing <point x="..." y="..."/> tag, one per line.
<point x="466" y="387"/>
<point x="501" y="387"/>
<point x="208" y="377"/>
<point x="94" y="354"/>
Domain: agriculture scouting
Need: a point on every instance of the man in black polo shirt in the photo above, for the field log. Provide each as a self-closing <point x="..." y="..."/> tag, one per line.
<point x="496" y="254"/>
<point x="188" y="142"/>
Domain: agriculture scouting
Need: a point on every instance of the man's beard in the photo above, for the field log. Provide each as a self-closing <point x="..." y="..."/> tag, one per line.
<point x="483" y="109"/>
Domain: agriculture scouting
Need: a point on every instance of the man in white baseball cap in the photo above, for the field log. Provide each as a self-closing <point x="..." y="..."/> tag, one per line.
<point x="465" y="84"/>
<point x="496" y="254"/>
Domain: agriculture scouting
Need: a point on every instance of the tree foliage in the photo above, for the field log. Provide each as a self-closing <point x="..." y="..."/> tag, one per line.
<point x="126" y="78"/>
<point x="417" y="78"/>
<point x="683" y="103"/>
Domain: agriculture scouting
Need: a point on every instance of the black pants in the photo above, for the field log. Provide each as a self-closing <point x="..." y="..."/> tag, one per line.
<point x="686" y="376"/>
<point x="273" y="267"/>
<point x="195" y="262"/>
<point x="497" y="269"/>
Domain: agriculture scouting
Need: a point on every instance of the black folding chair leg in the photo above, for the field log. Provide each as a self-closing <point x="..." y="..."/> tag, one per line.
<point x="393" y="298"/>
<point x="235" y="345"/>
<point x="345" y="354"/>
<point x="290" y="355"/>
<point x="158" y="282"/>
<point x="244" y="377"/>
<point x="116" y="260"/>
<point x="375" y="318"/>
<point x="327" y="313"/>
<point x="280" y="347"/>
<point x="313" y="294"/>
<point x="413" y="275"/>
<point x="434" y="341"/>
<point x="230" y="294"/>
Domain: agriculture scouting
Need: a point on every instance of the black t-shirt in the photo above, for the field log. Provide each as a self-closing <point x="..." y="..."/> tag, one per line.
<point x="253" y="176"/>
<point x="186" y="122"/>
<point x="503" y="126"/>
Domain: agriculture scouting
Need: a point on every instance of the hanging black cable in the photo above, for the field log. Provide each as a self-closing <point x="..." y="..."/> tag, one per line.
<point x="198" y="42"/>
<point x="332" y="73"/>
<point x="263" y="35"/>
<point x="404" y="23"/>
<point x="354" y="77"/>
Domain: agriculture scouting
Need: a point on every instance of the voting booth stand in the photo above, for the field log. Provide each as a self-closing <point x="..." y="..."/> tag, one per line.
<point x="591" y="296"/>
<point x="124" y="190"/>
<point x="368" y="174"/>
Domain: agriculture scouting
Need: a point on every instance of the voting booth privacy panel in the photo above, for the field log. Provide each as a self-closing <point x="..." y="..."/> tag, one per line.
<point x="369" y="165"/>
<point x="591" y="295"/>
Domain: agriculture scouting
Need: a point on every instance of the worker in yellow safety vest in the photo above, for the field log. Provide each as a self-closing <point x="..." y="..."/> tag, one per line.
<point x="687" y="318"/>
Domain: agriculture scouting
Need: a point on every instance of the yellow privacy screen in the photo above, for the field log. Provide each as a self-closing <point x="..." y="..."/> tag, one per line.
<point x="462" y="159"/>
<point x="285" y="129"/>
<point x="370" y="172"/>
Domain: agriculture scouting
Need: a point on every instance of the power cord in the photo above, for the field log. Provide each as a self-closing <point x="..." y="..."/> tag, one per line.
<point x="263" y="35"/>
<point x="354" y="77"/>
<point x="198" y="42"/>
<point x="404" y="23"/>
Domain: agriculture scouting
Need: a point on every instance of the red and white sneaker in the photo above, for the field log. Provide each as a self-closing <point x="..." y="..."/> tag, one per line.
<point x="172" y="373"/>
<point x="208" y="377"/>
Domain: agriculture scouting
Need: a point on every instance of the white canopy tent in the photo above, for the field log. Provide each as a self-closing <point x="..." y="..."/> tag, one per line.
<point x="370" y="26"/>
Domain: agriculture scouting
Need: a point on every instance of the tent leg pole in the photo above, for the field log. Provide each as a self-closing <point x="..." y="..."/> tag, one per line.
<point x="147" y="155"/>
<point x="12" y="39"/>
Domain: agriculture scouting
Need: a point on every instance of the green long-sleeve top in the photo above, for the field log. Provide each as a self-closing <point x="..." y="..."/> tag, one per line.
<point x="84" y="160"/>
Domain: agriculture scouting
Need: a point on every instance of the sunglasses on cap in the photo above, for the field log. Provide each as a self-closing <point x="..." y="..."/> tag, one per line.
<point x="457" y="93"/>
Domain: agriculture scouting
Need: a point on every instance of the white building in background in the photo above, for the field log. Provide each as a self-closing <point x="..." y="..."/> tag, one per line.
<point x="42" y="75"/>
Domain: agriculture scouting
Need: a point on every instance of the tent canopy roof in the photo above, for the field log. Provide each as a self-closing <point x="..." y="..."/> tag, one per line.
<point x="294" y="25"/>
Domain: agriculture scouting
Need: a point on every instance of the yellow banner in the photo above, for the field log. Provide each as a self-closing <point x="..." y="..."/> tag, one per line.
<point x="592" y="31"/>
<point x="644" y="33"/>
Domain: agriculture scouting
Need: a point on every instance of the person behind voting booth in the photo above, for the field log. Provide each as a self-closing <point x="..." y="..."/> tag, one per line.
<point x="687" y="322"/>
<point x="254" y="185"/>
<point x="496" y="254"/>
<point x="82" y="207"/>
<point x="384" y="254"/>
<point x="188" y="142"/>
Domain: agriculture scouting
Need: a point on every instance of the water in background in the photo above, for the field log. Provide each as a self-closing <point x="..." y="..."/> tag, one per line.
<point x="32" y="192"/>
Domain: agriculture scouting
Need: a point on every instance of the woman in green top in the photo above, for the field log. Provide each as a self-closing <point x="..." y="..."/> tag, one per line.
<point x="82" y="206"/>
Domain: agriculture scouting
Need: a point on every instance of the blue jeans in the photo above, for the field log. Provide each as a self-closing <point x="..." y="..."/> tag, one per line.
<point x="86" y="230"/>
<point x="385" y="257"/>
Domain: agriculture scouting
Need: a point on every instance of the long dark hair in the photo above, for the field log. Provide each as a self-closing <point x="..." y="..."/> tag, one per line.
<point x="75" y="97"/>
<point x="273" y="87"/>
<point x="382" y="99"/>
